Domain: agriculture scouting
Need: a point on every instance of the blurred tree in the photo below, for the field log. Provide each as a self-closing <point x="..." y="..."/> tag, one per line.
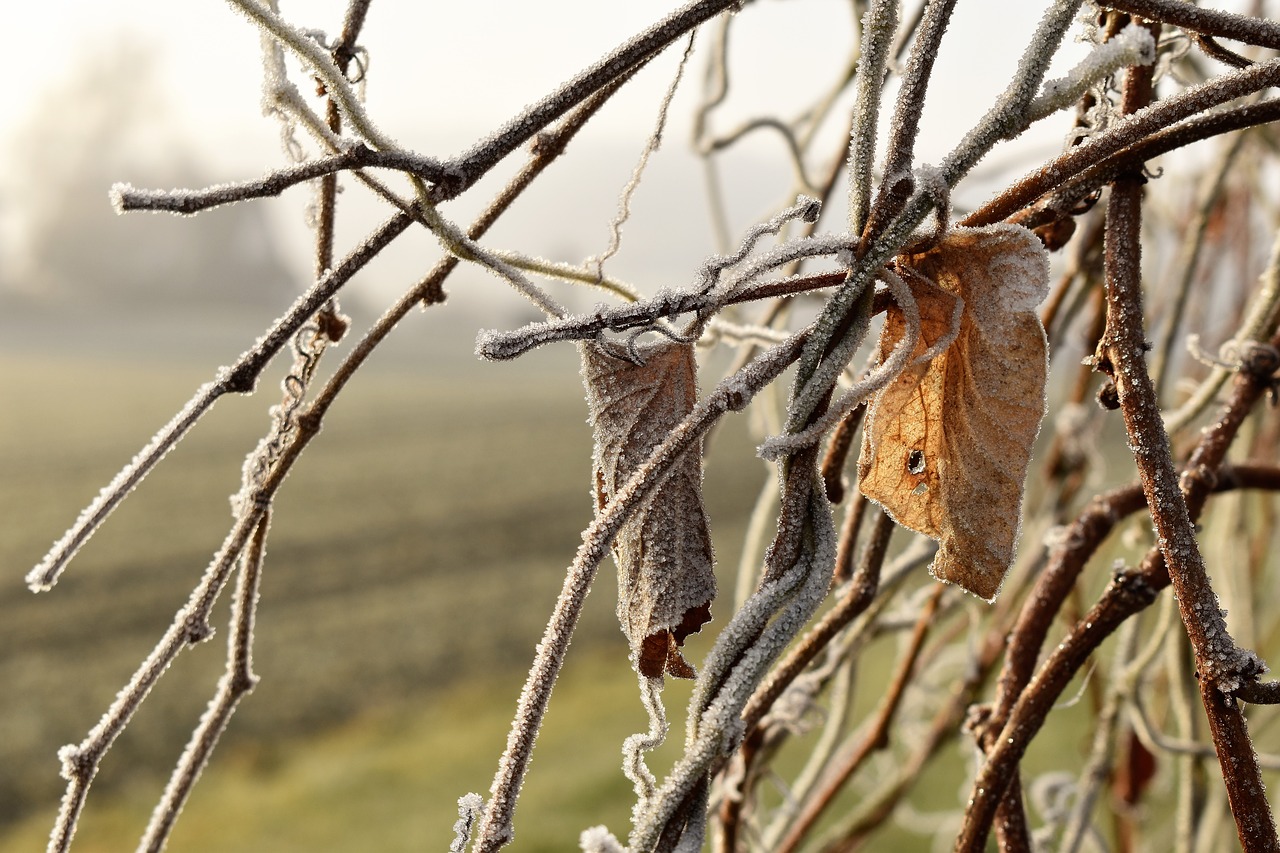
<point x="109" y="119"/>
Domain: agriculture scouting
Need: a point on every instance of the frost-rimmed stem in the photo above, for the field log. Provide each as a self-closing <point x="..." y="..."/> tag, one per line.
<point x="1161" y="116"/>
<point x="476" y="162"/>
<point x="1076" y="189"/>
<point x="857" y="600"/>
<point x="795" y="582"/>
<point x="80" y="762"/>
<point x="1222" y="666"/>
<point x="878" y="28"/>
<point x="878" y="806"/>
<point x="357" y="155"/>
<point x="322" y="64"/>
<point x="665" y="304"/>
<point x="430" y="290"/>
<point x="635" y="746"/>
<point x="857" y="597"/>
<point x="234" y="685"/>
<point x="1210" y="22"/>
<point x="852" y="756"/>
<point x="731" y="394"/>
<point x="905" y="126"/>
<point x="240" y="378"/>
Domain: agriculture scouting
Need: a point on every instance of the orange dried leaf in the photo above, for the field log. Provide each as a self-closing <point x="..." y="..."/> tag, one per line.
<point x="946" y="445"/>
<point x="666" y="577"/>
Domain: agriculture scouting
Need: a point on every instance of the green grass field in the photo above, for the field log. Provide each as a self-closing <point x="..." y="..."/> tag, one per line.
<point x="414" y="556"/>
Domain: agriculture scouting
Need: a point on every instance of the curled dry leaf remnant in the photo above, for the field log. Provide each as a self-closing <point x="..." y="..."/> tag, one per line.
<point x="947" y="443"/>
<point x="666" y="576"/>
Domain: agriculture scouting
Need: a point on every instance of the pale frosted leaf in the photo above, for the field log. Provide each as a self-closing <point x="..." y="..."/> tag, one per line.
<point x="666" y="577"/>
<point x="946" y="445"/>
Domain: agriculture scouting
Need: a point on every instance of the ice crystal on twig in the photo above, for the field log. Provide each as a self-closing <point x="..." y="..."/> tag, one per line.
<point x="1132" y="46"/>
<point x="469" y="806"/>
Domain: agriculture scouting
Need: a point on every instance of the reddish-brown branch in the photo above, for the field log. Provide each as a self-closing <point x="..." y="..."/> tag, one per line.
<point x="1130" y="131"/>
<point x="1129" y="592"/>
<point x="838" y="451"/>
<point x="1210" y="22"/>
<point x="875" y="738"/>
<point x="1222" y="667"/>
<point x="861" y="592"/>
<point x="1069" y="195"/>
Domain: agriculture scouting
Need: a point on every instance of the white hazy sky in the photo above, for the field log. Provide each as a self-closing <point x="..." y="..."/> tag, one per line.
<point x="476" y="62"/>
<point x="443" y="73"/>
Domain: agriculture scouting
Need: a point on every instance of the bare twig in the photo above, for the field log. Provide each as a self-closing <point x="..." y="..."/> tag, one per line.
<point x="733" y="393"/>
<point x="1129" y="131"/>
<point x="357" y="155"/>
<point x="876" y="736"/>
<point x="240" y="378"/>
<point x="235" y="684"/>
<point x="873" y="61"/>
<point x="483" y="156"/>
<point x="1211" y="22"/>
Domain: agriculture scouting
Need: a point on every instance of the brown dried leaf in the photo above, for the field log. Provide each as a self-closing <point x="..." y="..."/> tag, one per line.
<point x="946" y="445"/>
<point x="666" y="577"/>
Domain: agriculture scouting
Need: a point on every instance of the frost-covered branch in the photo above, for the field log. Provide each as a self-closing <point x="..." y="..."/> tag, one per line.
<point x="730" y="394"/>
<point x="318" y="60"/>
<point x="357" y="155"/>
<point x="239" y="378"/>
<point x="705" y="297"/>
<point x="483" y="156"/>
<point x="237" y="682"/>
<point x="878" y="26"/>
<point x="1211" y="22"/>
<point x="1134" y="45"/>
<point x="1160" y="117"/>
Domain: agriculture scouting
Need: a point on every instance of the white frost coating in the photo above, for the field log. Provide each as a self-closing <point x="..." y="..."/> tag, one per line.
<point x="635" y="746"/>
<point x="805" y="208"/>
<point x="794" y="250"/>
<point x="312" y="54"/>
<point x="598" y="839"/>
<point x="469" y="806"/>
<point x="1133" y="45"/>
<point x="715" y="722"/>
<point x="879" y="26"/>
<point x="707" y="296"/>
<point x="1023" y="269"/>
<point x="45" y="575"/>
<point x="931" y="179"/>
<point x="117" y="194"/>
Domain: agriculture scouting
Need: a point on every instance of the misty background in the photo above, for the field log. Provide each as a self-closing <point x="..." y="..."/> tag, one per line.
<point x="167" y="95"/>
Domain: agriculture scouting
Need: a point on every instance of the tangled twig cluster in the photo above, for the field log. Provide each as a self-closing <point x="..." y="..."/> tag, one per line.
<point x="773" y="669"/>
